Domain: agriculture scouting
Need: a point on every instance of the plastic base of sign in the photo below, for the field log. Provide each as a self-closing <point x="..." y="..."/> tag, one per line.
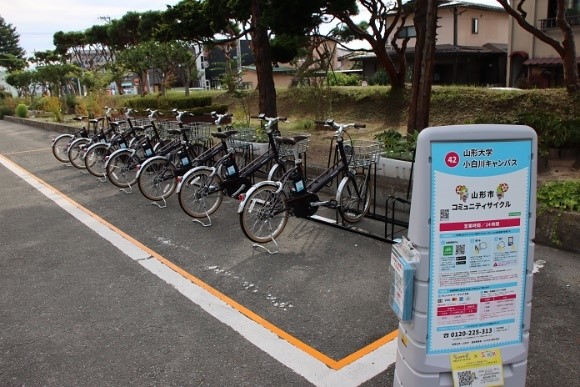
<point x="514" y="375"/>
<point x="415" y="355"/>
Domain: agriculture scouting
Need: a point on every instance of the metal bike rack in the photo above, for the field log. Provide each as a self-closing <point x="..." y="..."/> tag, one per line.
<point x="396" y="210"/>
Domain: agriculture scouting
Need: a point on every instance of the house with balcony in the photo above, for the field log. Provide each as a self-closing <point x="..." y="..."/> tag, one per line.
<point x="532" y="61"/>
<point x="471" y="45"/>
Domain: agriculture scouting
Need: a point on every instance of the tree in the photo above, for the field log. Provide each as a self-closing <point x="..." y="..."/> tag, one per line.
<point x="11" y="54"/>
<point x="294" y="20"/>
<point x="190" y="23"/>
<point x="386" y="20"/>
<point x="425" y="21"/>
<point x="22" y="80"/>
<point x="135" y="59"/>
<point x="566" y="48"/>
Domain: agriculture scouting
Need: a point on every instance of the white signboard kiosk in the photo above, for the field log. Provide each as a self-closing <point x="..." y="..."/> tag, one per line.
<point x="470" y="245"/>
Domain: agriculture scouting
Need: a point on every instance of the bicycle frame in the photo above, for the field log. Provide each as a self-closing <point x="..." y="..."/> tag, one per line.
<point x="237" y="180"/>
<point x="306" y="202"/>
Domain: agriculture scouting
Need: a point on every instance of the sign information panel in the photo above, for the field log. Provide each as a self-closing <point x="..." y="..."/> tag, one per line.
<point x="479" y="235"/>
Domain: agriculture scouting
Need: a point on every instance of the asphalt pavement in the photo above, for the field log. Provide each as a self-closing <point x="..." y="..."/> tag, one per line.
<point x="100" y="287"/>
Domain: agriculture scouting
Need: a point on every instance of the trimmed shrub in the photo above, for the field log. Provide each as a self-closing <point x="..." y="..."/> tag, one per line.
<point x="5" y="111"/>
<point x="21" y="110"/>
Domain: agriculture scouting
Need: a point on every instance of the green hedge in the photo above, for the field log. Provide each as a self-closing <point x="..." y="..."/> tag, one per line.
<point x="168" y="102"/>
<point x="553" y="130"/>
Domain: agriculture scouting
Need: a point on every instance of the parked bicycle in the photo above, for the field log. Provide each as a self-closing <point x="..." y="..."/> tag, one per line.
<point x="78" y="147"/>
<point x="61" y="143"/>
<point x="157" y="177"/>
<point x="127" y="135"/>
<point x="264" y="211"/>
<point x="122" y="165"/>
<point x="202" y="188"/>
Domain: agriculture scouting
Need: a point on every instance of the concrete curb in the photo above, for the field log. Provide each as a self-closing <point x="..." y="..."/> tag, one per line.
<point x="558" y="229"/>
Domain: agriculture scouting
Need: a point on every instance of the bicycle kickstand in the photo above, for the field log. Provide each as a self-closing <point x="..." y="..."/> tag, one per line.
<point x="159" y="205"/>
<point x="271" y="252"/>
<point x="208" y="224"/>
<point x="103" y="179"/>
<point x="127" y="190"/>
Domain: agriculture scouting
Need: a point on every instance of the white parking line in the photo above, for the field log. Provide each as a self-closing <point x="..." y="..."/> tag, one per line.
<point x="292" y="356"/>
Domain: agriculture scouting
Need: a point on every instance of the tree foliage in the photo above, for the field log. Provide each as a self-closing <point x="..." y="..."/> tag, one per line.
<point x="381" y="30"/>
<point x="11" y="54"/>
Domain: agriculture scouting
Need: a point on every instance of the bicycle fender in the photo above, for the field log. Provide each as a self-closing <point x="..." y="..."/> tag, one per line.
<point x="341" y="187"/>
<point x="193" y="170"/>
<point x="148" y="161"/>
<point x="62" y="136"/>
<point x="94" y="145"/>
<point x="115" y="153"/>
<point x="255" y="187"/>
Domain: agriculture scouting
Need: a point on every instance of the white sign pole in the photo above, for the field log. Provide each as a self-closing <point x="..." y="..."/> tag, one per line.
<point x="472" y="224"/>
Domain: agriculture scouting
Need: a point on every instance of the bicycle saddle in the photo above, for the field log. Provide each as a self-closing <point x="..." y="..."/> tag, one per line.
<point x="225" y="134"/>
<point x="291" y="140"/>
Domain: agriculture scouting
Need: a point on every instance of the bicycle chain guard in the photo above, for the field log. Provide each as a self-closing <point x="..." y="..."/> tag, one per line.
<point x="301" y="205"/>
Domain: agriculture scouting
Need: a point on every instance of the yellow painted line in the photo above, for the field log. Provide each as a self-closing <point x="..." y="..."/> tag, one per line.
<point x="331" y="363"/>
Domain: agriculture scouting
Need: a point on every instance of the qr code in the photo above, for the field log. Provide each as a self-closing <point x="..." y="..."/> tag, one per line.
<point x="444" y="214"/>
<point x="459" y="249"/>
<point x="465" y="378"/>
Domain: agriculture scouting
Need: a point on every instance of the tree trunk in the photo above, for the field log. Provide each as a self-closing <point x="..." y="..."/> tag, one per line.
<point x="119" y="87"/>
<point x="426" y="27"/>
<point x="571" y="80"/>
<point x="396" y="76"/>
<point x="420" y="22"/>
<point x="263" y="57"/>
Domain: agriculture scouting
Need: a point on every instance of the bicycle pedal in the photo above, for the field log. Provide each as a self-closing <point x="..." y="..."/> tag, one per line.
<point x="332" y="203"/>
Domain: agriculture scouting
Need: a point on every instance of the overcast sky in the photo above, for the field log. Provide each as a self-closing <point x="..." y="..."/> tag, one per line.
<point x="37" y="21"/>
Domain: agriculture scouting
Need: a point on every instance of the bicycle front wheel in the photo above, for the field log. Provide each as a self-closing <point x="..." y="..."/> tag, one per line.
<point x="157" y="179"/>
<point x="76" y="152"/>
<point x="60" y="147"/>
<point x="201" y="194"/>
<point x="122" y="168"/>
<point x="353" y="197"/>
<point x="96" y="158"/>
<point x="264" y="214"/>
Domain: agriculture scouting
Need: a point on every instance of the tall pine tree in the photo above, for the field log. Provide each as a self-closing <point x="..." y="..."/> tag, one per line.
<point x="11" y="54"/>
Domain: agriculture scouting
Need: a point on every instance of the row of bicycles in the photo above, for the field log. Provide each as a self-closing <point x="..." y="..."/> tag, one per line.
<point x="202" y="163"/>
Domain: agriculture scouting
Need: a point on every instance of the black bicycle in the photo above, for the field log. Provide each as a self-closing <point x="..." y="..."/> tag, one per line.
<point x="158" y="176"/>
<point x="202" y="190"/>
<point x="265" y="209"/>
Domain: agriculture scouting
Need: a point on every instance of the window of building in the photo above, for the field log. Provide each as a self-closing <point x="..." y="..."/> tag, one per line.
<point x="407" y="32"/>
<point x="474" y="25"/>
<point x="572" y="8"/>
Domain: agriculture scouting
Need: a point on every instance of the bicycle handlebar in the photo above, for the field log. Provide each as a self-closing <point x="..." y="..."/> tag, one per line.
<point x="220" y="117"/>
<point x="264" y="118"/>
<point x="334" y="125"/>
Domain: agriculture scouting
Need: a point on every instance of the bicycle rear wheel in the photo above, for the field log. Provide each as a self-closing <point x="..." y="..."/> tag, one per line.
<point x="264" y="214"/>
<point x="157" y="179"/>
<point x="122" y="168"/>
<point x="201" y="194"/>
<point x="76" y="152"/>
<point x="96" y="158"/>
<point x="276" y="172"/>
<point x="60" y="147"/>
<point x="353" y="197"/>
